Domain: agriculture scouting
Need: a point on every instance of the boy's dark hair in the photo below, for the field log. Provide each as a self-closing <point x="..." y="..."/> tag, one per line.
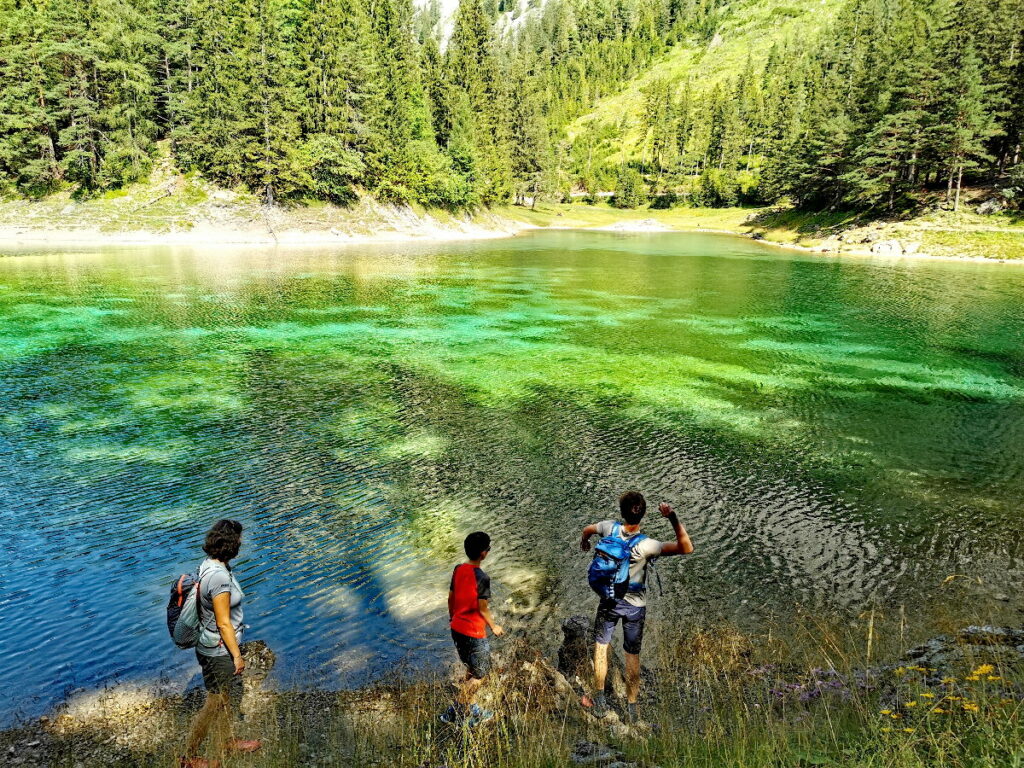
<point x="476" y="544"/>
<point x="223" y="540"/>
<point x="633" y="507"/>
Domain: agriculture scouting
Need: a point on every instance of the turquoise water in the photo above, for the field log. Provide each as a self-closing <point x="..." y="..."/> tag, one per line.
<point x="837" y="433"/>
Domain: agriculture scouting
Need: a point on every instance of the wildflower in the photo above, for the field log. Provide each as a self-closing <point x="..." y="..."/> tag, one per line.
<point x="984" y="669"/>
<point x="899" y="671"/>
<point x="908" y="730"/>
<point x="993" y="678"/>
<point x="940" y="711"/>
<point x="896" y="716"/>
<point x="972" y="678"/>
<point x="887" y="730"/>
<point x="969" y="706"/>
<point x="886" y="712"/>
<point x="927" y="695"/>
<point x="953" y="698"/>
<point x="910" y="704"/>
<point x="919" y="669"/>
<point x="948" y="680"/>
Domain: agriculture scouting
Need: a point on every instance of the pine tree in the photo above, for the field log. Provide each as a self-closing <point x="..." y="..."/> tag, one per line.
<point x="339" y="95"/>
<point x="967" y="121"/>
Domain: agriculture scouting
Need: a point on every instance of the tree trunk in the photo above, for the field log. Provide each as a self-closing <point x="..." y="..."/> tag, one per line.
<point x="959" y="180"/>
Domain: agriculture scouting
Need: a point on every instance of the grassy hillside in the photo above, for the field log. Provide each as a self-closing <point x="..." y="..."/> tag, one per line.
<point x="748" y="28"/>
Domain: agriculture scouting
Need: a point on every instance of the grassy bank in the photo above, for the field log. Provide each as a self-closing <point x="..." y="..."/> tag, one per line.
<point x="174" y="208"/>
<point x="941" y="234"/>
<point x="712" y="696"/>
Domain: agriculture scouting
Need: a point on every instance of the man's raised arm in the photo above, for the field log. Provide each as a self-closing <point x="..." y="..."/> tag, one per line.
<point x="589" y="531"/>
<point x="682" y="545"/>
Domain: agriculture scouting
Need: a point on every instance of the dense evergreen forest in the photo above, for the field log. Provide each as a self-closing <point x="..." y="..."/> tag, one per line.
<point x="300" y="99"/>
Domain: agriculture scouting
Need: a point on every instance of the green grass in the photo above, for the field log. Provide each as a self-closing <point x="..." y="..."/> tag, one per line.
<point x="748" y="28"/>
<point x="801" y="694"/>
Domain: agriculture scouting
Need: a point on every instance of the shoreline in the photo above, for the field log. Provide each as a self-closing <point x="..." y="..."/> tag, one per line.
<point x="421" y="229"/>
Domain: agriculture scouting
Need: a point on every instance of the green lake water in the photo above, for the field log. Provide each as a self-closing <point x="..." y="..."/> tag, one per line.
<point x="834" y="433"/>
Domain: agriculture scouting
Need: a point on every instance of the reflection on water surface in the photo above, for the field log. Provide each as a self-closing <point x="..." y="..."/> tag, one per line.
<point x="833" y="432"/>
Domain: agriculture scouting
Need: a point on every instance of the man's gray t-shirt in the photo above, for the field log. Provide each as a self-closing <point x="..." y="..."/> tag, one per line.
<point x="215" y="579"/>
<point x="642" y="552"/>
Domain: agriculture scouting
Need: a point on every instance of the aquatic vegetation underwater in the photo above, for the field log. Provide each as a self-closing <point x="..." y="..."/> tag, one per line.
<point x="834" y="433"/>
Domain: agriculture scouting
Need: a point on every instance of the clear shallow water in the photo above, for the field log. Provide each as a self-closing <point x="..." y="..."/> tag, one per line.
<point x="833" y="432"/>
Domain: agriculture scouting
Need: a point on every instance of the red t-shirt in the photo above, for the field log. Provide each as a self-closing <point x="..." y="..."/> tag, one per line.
<point x="469" y="584"/>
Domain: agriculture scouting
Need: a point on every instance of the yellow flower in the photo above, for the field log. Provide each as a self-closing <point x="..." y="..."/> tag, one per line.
<point x="948" y="680"/>
<point x="908" y="730"/>
<point x="970" y="706"/>
<point x="910" y="704"/>
<point x="993" y="677"/>
<point x="919" y="669"/>
<point x="894" y="716"/>
<point x="886" y="712"/>
<point x="972" y="678"/>
<point x="1006" y="701"/>
<point x="940" y="711"/>
<point x="984" y="669"/>
<point x="927" y="695"/>
<point x="953" y="698"/>
<point x="887" y="730"/>
<point x="899" y="671"/>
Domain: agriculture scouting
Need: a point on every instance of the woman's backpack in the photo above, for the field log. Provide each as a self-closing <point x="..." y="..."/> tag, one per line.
<point x="183" y="611"/>
<point x="609" y="570"/>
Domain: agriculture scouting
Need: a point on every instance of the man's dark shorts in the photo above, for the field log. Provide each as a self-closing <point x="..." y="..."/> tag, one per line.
<point x="219" y="677"/>
<point x="609" y="612"/>
<point x="474" y="652"/>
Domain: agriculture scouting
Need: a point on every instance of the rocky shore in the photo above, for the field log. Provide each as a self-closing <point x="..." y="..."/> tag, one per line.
<point x="120" y="727"/>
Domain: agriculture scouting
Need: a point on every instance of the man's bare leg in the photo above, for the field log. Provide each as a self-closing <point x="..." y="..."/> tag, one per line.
<point x="600" y="666"/>
<point x="632" y="677"/>
<point x="600" y="675"/>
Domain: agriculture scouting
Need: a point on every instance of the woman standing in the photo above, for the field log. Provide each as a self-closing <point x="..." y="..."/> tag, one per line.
<point x="220" y="633"/>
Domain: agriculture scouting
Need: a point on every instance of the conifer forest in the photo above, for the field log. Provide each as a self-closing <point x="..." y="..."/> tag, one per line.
<point x="293" y="100"/>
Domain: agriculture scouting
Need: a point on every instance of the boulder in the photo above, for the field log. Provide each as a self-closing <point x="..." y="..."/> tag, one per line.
<point x="593" y="753"/>
<point x="991" y="206"/>
<point x="887" y="248"/>
<point x="1002" y="644"/>
<point x="577" y="646"/>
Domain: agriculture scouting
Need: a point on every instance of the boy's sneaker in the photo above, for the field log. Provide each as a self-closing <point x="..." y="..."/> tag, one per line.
<point x="478" y="716"/>
<point x="452" y="715"/>
<point x="600" y="708"/>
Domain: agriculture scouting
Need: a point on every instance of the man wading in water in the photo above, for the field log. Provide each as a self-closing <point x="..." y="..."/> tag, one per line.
<point x="621" y="597"/>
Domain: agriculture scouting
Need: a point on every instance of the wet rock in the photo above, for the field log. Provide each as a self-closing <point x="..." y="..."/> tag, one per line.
<point x="577" y="646"/>
<point x="989" y="635"/>
<point x="259" y="661"/>
<point x="1002" y="644"/>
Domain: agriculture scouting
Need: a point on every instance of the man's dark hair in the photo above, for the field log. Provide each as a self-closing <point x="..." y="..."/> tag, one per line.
<point x="223" y="540"/>
<point x="633" y="507"/>
<point x="476" y="544"/>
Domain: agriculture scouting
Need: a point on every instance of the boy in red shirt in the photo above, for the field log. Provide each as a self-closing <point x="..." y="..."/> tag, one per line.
<point x="470" y="615"/>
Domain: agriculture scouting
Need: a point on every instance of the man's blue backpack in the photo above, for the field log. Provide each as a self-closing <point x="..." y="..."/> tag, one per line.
<point x="609" y="570"/>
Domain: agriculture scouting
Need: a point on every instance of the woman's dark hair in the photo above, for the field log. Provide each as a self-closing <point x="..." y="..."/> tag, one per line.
<point x="476" y="544"/>
<point x="223" y="540"/>
<point x="633" y="507"/>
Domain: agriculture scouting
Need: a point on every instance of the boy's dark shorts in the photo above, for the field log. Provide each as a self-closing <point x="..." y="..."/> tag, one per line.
<point x="219" y="677"/>
<point x="474" y="652"/>
<point x="608" y="614"/>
